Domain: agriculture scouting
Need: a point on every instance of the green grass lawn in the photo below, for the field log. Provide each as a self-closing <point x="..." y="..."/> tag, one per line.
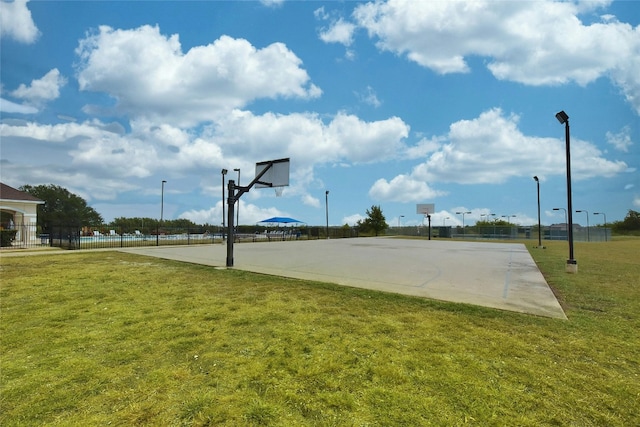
<point x="107" y="338"/>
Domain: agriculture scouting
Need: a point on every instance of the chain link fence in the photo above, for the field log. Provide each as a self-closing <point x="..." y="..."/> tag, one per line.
<point x="501" y="232"/>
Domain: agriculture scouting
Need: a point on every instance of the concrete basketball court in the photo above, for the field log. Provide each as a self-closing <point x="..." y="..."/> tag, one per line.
<point x="497" y="275"/>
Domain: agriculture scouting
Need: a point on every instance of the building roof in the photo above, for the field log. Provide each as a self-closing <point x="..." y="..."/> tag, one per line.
<point x="10" y="193"/>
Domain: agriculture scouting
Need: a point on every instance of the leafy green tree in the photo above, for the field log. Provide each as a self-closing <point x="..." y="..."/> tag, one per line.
<point x="61" y="207"/>
<point x="630" y="224"/>
<point x="375" y="221"/>
<point x="130" y="225"/>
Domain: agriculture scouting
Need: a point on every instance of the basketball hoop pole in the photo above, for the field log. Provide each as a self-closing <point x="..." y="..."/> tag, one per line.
<point x="231" y="202"/>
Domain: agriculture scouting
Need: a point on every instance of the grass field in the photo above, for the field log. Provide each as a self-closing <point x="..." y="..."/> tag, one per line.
<point x="107" y="338"/>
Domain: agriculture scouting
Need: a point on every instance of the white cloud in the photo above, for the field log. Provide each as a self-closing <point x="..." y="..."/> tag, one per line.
<point x="7" y="106"/>
<point x="239" y="139"/>
<point x="424" y="147"/>
<point x="249" y="214"/>
<point x="621" y="140"/>
<point x="272" y="3"/>
<point x="402" y="188"/>
<point x="40" y="91"/>
<point x="369" y="97"/>
<point x="491" y="149"/>
<point x="340" y="31"/>
<point x="16" y="21"/>
<point x="150" y="76"/>
<point x="352" y="219"/>
<point x="535" y="43"/>
<point x="309" y="139"/>
<point x="310" y="200"/>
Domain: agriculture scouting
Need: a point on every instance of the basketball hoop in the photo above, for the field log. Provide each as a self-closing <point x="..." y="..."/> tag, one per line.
<point x="279" y="191"/>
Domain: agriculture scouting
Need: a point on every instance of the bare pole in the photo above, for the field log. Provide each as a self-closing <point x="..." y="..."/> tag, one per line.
<point x="326" y="205"/>
<point x="230" y="233"/>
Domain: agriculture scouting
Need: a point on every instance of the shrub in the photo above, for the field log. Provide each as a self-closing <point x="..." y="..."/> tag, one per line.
<point x="6" y="237"/>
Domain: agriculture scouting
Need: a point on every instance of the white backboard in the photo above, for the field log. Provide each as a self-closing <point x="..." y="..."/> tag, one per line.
<point x="276" y="176"/>
<point x="425" y="208"/>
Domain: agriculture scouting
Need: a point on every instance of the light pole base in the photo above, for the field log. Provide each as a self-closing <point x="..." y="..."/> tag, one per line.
<point x="572" y="266"/>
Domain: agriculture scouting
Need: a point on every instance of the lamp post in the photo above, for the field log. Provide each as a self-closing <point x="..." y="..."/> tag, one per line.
<point x="494" y="222"/>
<point x="444" y="219"/>
<point x="224" y="172"/>
<point x="587" y="222"/>
<point x="463" y="214"/>
<point x="565" y="213"/>
<point x="161" y="212"/>
<point x="572" y="264"/>
<point x="605" y="223"/>
<point x="539" y="225"/>
<point x="238" y="207"/>
<point x="508" y="216"/>
<point x="401" y="216"/>
<point x="326" y="209"/>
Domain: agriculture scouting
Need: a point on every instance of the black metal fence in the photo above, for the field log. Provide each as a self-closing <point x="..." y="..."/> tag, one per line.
<point x="77" y="238"/>
<point x="74" y="237"/>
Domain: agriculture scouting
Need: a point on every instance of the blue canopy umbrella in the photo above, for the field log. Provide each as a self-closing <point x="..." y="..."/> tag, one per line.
<point x="281" y="220"/>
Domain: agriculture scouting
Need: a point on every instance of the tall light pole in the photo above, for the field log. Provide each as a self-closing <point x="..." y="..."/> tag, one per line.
<point x="161" y="212"/>
<point x="326" y="209"/>
<point x="605" y="223"/>
<point x="238" y="207"/>
<point x="463" y="214"/>
<point x="508" y="218"/>
<point x="565" y="213"/>
<point x="587" y="222"/>
<point x="539" y="225"/>
<point x="572" y="264"/>
<point x="224" y="172"/>
<point x="401" y="216"/>
<point x="444" y="219"/>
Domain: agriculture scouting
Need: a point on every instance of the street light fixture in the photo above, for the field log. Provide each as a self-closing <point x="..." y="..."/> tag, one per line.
<point x="572" y="264"/>
<point x="565" y="213"/>
<point x="238" y="207"/>
<point x="539" y="225"/>
<point x="326" y="207"/>
<point x="508" y="216"/>
<point x="463" y="214"/>
<point x="444" y="219"/>
<point x="587" y="222"/>
<point x="494" y="222"/>
<point x="605" y="223"/>
<point x="401" y="216"/>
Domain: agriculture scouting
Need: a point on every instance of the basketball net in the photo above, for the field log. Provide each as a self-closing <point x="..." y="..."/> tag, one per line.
<point x="279" y="191"/>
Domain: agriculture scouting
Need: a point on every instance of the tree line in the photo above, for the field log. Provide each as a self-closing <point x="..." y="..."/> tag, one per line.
<point x="61" y="207"/>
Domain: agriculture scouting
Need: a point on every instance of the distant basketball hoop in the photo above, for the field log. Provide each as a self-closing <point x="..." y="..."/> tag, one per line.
<point x="425" y="208"/>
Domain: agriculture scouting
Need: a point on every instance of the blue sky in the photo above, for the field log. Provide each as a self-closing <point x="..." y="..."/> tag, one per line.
<point x="393" y="103"/>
